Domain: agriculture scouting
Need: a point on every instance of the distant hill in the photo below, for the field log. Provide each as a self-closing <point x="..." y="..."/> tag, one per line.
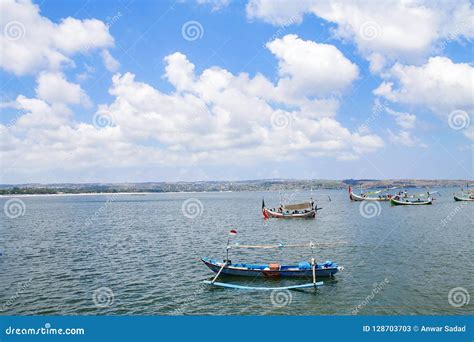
<point x="216" y="186"/>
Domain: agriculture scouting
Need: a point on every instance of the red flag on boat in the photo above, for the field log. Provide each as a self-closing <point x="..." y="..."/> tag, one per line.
<point x="350" y="189"/>
<point x="233" y="232"/>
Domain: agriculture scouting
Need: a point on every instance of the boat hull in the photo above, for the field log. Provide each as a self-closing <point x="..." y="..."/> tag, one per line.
<point x="463" y="199"/>
<point x="274" y="214"/>
<point x="394" y="201"/>
<point x="296" y="273"/>
<point x="358" y="198"/>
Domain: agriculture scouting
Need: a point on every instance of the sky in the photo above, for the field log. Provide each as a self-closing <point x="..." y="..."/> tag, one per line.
<point x="140" y="91"/>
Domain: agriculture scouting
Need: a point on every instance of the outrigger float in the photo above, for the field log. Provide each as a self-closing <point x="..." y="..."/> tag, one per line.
<point x="369" y="195"/>
<point x="305" y="269"/>
<point x="300" y="210"/>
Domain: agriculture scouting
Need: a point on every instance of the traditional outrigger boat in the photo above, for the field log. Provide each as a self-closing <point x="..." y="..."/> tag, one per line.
<point x="300" y="210"/>
<point x="305" y="269"/>
<point x="464" y="195"/>
<point x="369" y="195"/>
<point x="420" y="199"/>
<point x="404" y="201"/>
<point x="468" y="198"/>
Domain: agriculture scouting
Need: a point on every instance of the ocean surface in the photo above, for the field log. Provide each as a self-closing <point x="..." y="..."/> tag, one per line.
<point x="140" y="255"/>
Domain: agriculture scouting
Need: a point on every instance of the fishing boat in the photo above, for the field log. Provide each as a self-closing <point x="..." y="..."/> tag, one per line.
<point x="397" y="200"/>
<point x="306" y="269"/>
<point x="272" y="270"/>
<point x="369" y="195"/>
<point x="300" y="210"/>
<point x="403" y="198"/>
<point x="464" y="195"/>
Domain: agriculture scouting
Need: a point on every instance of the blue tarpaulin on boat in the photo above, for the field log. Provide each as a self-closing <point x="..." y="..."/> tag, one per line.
<point x="304" y="265"/>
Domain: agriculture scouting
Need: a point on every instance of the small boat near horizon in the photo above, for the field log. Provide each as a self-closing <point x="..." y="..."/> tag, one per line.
<point x="368" y="196"/>
<point x="404" y="198"/>
<point x="464" y="195"/>
<point x="397" y="200"/>
<point x="466" y="199"/>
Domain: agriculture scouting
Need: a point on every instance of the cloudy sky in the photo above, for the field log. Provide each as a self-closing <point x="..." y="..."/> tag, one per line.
<point x="100" y="91"/>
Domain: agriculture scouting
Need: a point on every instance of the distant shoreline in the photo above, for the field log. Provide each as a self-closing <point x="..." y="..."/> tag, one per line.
<point x="270" y="185"/>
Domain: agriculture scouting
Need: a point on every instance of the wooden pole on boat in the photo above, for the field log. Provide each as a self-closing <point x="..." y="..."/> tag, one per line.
<point x="313" y="264"/>
<point x="314" y="272"/>
<point x="218" y="273"/>
<point x="232" y="232"/>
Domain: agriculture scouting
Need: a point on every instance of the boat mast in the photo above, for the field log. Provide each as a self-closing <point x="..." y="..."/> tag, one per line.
<point x="313" y="263"/>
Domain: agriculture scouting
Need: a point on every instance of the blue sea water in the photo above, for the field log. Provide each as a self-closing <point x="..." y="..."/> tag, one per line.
<point x="140" y="255"/>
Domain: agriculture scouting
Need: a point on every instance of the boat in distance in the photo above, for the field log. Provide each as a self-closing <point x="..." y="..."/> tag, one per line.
<point x="302" y="269"/>
<point x="398" y="200"/>
<point x="464" y="195"/>
<point x="367" y="196"/>
<point x="461" y="198"/>
<point x="286" y="211"/>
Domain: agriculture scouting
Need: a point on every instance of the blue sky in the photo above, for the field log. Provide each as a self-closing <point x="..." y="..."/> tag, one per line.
<point x="96" y="91"/>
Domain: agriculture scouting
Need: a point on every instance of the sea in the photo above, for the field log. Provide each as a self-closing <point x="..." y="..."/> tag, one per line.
<point x="140" y="254"/>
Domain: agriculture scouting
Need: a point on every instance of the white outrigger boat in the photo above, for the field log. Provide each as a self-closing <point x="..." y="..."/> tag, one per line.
<point x="403" y="198"/>
<point x="464" y="195"/>
<point x="300" y="210"/>
<point x="369" y="195"/>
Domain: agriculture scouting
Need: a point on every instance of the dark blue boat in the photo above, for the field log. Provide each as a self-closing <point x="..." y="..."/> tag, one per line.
<point x="303" y="269"/>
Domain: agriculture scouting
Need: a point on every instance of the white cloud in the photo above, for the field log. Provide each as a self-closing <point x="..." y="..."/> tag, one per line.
<point x="405" y="138"/>
<point x="215" y="4"/>
<point x="404" y="120"/>
<point x="278" y="12"/>
<point x="440" y="84"/>
<point x="109" y="61"/>
<point x="214" y="117"/>
<point x="31" y="42"/>
<point x="382" y="30"/>
<point x="54" y="88"/>
<point x="37" y="114"/>
<point x="311" y="69"/>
